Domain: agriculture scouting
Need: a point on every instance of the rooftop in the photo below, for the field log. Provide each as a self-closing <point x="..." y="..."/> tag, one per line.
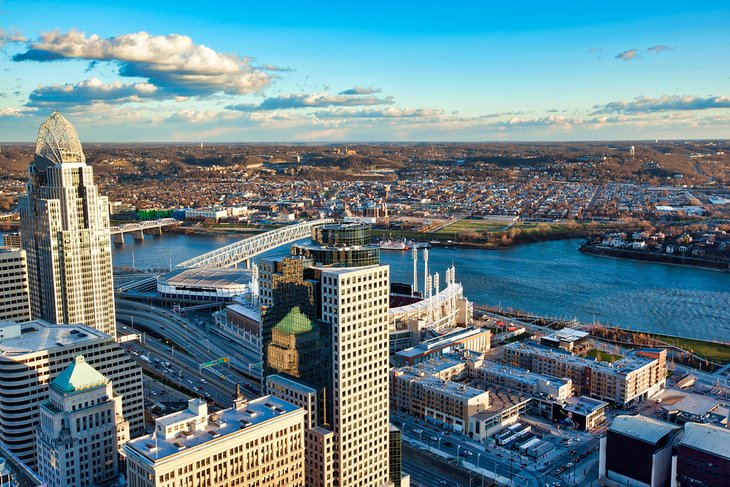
<point x="693" y="405"/>
<point x="708" y="438"/>
<point x="566" y="335"/>
<point x="584" y="405"/>
<point x="295" y="322"/>
<point x="432" y="366"/>
<point x="450" y="388"/>
<point x="58" y="142"/>
<point x="622" y="366"/>
<point x="207" y="278"/>
<point x="642" y="428"/>
<point x="294" y="385"/>
<point x="442" y="341"/>
<point x="78" y="376"/>
<point x="518" y="373"/>
<point x="40" y="335"/>
<point x="23" y="475"/>
<point x="221" y="424"/>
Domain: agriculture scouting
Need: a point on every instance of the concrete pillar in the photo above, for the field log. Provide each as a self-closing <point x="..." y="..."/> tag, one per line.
<point x="602" y="459"/>
<point x="118" y="238"/>
<point x="155" y="230"/>
<point x="248" y="263"/>
<point x="138" y="235"/>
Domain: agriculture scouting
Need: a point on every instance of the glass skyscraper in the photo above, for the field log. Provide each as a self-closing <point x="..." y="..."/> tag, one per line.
<point x="65" y="232"/>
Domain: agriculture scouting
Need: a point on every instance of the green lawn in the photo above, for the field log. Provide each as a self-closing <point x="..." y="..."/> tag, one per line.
<point x="715" y="352"/>
<point x="472" y="225"/>
<point x="603" y="356"/>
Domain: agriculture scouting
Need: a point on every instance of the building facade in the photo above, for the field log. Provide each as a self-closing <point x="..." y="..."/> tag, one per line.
<point x="32" y="354"/>
<point x="254" y="443"/>
<point x="703" y="456"/>
<point x="14" y="292"/>
<point x="81" y="429"/>
<point x="65" y="231"/>
<point x="628" y="380"/>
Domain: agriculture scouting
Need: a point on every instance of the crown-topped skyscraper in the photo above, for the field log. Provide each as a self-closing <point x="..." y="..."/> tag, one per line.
<point x="65" y="232"/>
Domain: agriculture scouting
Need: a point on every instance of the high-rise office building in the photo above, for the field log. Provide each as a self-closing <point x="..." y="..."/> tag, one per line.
<point x="65" y="232"/>
<point x="81" y="428"/>
<point x="350" y="300"/>
<point x="32" y="354"/>
<point x="254" y="443"/>
<point x="14" y="300"/>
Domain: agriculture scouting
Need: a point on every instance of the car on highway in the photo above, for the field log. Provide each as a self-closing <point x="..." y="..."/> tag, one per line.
<point x="469" y="452"/>
<point x="448" y="443"/>
<point x="433" y="438"/>
<point x="569" y="465"/>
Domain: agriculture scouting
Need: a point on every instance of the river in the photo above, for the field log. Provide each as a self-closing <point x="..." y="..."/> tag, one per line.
<point x="550" y="278"/>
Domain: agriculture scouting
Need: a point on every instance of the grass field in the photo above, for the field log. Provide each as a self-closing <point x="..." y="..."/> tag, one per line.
<point x="462" y="226"/>
<point x="714" y="352"/>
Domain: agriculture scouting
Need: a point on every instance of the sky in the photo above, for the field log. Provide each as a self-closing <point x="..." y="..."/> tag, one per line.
<point x="142" y="71"/>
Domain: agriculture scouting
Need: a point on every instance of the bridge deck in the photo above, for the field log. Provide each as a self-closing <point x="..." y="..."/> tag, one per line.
<point x="252" y="246"/>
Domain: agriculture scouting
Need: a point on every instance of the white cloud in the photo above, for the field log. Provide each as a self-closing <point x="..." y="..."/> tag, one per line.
<point x="90" y="91"/>
<point x="172" y="62"/>
<point x="644" y="104"/>
<point x="314" y="100"/>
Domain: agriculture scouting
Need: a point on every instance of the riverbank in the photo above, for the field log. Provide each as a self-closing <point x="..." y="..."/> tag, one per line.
<point x="673" y="259"/>
<point x="507" y="238"/>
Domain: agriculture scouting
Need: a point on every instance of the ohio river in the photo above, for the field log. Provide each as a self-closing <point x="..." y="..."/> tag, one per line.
<point x="549" y="278"/>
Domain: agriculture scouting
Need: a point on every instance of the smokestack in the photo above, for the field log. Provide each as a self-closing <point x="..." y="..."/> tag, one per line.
<point x="414" y="253"/>
<point x="426" y="291"/>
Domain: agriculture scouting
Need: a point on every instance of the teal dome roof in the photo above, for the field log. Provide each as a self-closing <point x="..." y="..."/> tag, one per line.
<point x="78" y="376"/>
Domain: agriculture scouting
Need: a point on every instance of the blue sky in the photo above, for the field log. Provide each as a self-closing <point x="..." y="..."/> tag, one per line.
<point x="375" y="71"/>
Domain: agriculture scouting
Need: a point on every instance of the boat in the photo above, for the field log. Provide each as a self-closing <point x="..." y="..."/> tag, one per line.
<point x="418" y="245"/>
<point x="393" y="245"/>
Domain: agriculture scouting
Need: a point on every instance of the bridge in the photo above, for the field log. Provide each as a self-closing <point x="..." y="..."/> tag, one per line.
<point x="244" y="250"/>
<point x="137" y="229"/>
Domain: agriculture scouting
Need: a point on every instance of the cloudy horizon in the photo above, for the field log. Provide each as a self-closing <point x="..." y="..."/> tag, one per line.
<point x="341" y="73"/>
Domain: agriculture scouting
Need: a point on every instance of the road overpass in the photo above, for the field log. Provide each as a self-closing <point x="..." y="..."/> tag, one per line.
<point x="244" y="250"/>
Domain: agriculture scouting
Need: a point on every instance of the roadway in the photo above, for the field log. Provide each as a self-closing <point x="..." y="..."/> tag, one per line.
<point x="187" y="334"/>
<point x="488" y="459"/>
<point x="189" y="350"/>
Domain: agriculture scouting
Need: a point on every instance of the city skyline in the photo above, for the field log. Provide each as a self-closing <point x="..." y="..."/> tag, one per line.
<point x="285" y="72"/>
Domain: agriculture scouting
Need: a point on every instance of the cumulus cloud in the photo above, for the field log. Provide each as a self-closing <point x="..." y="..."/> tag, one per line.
<point x="90" y="91"/>
<point x="388" y="112"/>
<point x="359" y="90"/>
<point x="12" y="112"/>
<point x="274" y="68"/>
<point x="659" y="48"/>
<point x="172" y="62"/>
<point x="627" y="55"/>
<point x="550" y="121"/>
<point x="500" y="114"/>
<point x="314" y="100"/>
<point x="199" y="116"/>
<point x="10" y="37"/>
<point x="643" y="104"/>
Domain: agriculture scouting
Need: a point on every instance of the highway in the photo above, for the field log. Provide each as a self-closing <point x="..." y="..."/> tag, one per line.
<point x="187" y="334"/>
<point x="185" y="366"/>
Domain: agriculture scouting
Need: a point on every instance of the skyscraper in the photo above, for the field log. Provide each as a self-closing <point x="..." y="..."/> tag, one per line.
<point x="65" y="232"/>
<point x="81" y="428"/>
<point x="32" y="354"/>
<point x="334" y="288"/>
